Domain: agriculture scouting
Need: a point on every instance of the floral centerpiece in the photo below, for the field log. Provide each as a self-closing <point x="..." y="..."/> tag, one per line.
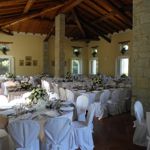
<point x="68" y="76"/>
<point x="97" y="81"/>
<point x="37" y="94"/>
<point x="25" y="85"/>
<point x="9" y="75"/>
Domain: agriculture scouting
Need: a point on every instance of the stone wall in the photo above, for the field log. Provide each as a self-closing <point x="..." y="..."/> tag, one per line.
<point x="141" y="52"/>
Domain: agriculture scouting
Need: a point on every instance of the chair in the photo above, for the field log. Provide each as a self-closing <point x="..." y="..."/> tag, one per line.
<point x="46" y="86"/>
<point x="56" y="89"/>
<point x="70" y="95"/>
<point x="3" y="100"/>
<point x="53" y="96"/>
<point x="62" y="93"/>
<point x="82" y="105"/>
<point x="58" y="134"/>
<point x="83" y="131"/>
<point x="148" y="128"/>
<point x="139" y="137"/>
<point x="113" y="103"/>
<point x="4" y="140"/>
<point x="25" y="134"/>
<point x="104" y="97"/>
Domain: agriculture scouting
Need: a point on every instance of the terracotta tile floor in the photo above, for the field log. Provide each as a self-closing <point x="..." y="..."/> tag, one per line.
<point x="115" y="133"/>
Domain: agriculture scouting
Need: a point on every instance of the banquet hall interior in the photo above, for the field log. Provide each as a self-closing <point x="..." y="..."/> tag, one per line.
<point x="74" y="74"/>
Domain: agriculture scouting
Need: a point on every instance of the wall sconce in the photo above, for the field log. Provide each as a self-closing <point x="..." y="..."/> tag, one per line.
<point x="4" y="47"/>
<point x="76" y="51"/>
<point x="124" y="47"/>
<point x="94" y="51"/>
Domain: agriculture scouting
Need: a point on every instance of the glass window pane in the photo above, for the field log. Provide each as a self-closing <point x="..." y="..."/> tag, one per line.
<point x="124" y="63"/>
<point x="75" y="66"/>
<point x="4" y="65"/>
<point x="93" y="66"/>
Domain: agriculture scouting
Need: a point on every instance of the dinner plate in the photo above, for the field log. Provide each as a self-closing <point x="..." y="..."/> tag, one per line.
<point x="69" y="108"/>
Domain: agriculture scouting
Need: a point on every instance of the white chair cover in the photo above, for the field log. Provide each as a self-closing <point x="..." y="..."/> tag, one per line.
<point x="82" y="105"/>
<point x="59" y="134"/>
<point x="83" y="131"/>
<point x="56" y="90"/>
<point x="123" y="100"/>
<point x="25" y="134"/>
<point x="4" y="141"/>
<point x="62" y="93"/>
<point x="46" y="86"/>
<point x="3" y="100"/>
<point x="148" y="129"/>
<point x="53" y="96"/>
<point x="113" y="103"/>
<point x="140" y="133"/>
<point x="70" y="95"/>
<point x="104" y="97"/>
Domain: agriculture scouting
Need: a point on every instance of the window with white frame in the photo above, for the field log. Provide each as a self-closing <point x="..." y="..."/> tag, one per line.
<point x="93" y="63"/>
<point x="6" y="64"/>
<point x="93" y="66"/>
<point x="123" y="66"/>
<point x="76" y="66"/>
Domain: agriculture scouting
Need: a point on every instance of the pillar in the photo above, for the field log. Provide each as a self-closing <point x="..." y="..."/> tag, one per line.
<point x="59" y="45"/>
<point x="140" y="65"/>
<point x="46" y="63"/>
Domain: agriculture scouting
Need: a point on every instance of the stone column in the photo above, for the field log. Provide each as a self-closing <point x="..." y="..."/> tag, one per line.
<point x="46" y="63"/>
<point x="140" y="66"/>
<point x="59" y="45"/>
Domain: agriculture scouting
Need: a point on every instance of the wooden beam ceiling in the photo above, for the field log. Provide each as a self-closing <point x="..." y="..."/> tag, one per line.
<point x="32" y="15"/>
<point x="66" y="7"/>
<point x="78" y="23"/>
<point x="6" y="32"/>
<point x="85" y="19"/>
<point x="28" y="6"/>
<point x="70" y="5"/>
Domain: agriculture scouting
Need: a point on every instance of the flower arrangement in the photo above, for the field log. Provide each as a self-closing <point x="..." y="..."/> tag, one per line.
<point x="123" y="76"/>
<point x="9" y="75"/>
<point x="68" y="76"/>
<point x="37" y="94"/>
<point x="25" y="85"/>
<point x="97" y="81"/>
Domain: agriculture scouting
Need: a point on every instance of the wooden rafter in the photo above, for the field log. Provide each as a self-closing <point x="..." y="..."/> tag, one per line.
<point x="9" y="3"/>
<point x="118" y="11"/>
<point x="89" y="27"/>
<point x="104" y="27"/>
<point x="66" y="7"/>
<point x="78" y="23"/>
<point x="70" y="5"/>
<point x="50" y="32"/>
<point x="28" y="16"/>
<point x="28" y="6"/>
<point x="38" y="16"/>
<point x="100" y="19"/>
<point x="6" y="32"/>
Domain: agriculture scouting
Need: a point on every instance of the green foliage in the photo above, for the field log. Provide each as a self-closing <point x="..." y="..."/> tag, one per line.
<point x="68" y="75"/>
<point x="9" y="75"/>
<point x="25" y="85"/>
<point x="37" y="94"/>
<point x="97" y="80"/>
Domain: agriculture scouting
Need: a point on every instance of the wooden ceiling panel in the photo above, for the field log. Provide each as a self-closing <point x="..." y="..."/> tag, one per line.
<point x="85" y="19"/>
